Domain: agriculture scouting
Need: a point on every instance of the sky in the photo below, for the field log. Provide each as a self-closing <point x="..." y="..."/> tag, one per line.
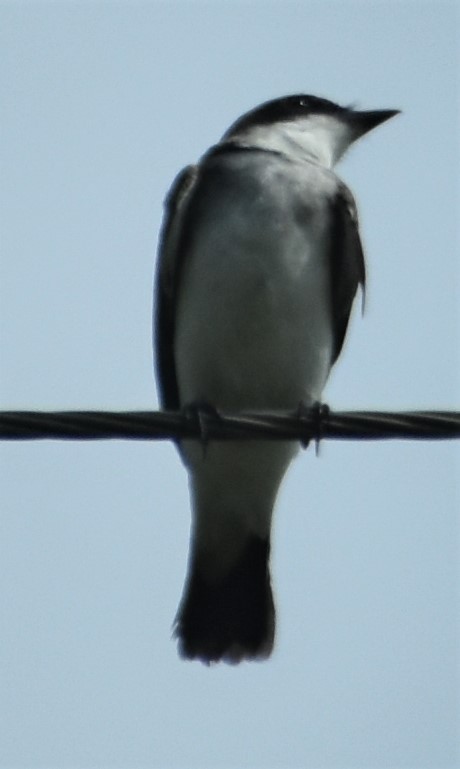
<point x="102" y="104"/>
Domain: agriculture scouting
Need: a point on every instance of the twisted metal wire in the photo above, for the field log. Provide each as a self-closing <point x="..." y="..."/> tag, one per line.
<point x="316" y="423"/>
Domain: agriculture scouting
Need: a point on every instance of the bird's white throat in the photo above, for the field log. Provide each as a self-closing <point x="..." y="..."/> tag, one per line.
<point x="319" y="138"/>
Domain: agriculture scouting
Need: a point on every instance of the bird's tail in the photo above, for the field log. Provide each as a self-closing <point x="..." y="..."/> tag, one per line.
<point x="231" y="618"/>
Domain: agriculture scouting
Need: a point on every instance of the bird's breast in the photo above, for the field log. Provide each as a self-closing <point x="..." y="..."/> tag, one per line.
<point x="253" y="322"/>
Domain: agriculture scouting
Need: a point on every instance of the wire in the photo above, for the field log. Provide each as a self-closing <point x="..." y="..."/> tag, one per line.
<point x="316" y="423"/>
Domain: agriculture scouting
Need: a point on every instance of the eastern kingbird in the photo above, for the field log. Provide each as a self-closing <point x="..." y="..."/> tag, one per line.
<point x="260" y="260"/>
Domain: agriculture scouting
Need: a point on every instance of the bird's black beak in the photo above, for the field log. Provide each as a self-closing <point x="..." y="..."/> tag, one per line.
<point x="365" y="121"/>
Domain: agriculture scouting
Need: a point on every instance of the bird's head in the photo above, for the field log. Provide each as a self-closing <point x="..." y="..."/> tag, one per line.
<point x="305" y="126"/>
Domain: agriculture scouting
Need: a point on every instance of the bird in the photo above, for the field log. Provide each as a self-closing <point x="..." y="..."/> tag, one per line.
<point x="259" y="262"/>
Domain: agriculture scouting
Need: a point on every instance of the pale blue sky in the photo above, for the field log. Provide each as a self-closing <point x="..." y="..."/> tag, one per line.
<point x="102" y="103"/>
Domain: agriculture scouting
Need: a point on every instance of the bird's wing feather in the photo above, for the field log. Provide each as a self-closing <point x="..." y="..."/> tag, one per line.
<point x="347" y="263"/>
<point x="168" y="266"/>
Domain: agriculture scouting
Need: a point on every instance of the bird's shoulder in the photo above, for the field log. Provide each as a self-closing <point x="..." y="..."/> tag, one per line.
<point x="345" y="200"/>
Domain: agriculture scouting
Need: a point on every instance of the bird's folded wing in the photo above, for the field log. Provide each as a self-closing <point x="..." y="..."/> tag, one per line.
<point x="168" y="267"/>
<point x="346" y="262"/>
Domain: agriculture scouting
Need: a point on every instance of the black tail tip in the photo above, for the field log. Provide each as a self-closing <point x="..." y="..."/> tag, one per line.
<point x="233" y="619"/>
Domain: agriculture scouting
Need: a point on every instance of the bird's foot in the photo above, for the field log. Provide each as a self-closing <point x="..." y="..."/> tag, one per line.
<point x="198" y="414"/>
<point x="319" y="411"/>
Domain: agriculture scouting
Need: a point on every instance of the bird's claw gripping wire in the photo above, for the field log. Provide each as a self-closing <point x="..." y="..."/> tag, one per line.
<point x="198" y="414"/>
<point x="319" y="411"/>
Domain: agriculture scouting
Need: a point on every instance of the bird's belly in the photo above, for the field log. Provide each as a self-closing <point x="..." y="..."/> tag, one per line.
<point x="254" y="327"/>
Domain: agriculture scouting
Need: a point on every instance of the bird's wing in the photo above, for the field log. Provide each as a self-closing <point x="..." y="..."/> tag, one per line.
<point x="347" y="263"/>
<point x="168" y="265"/>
